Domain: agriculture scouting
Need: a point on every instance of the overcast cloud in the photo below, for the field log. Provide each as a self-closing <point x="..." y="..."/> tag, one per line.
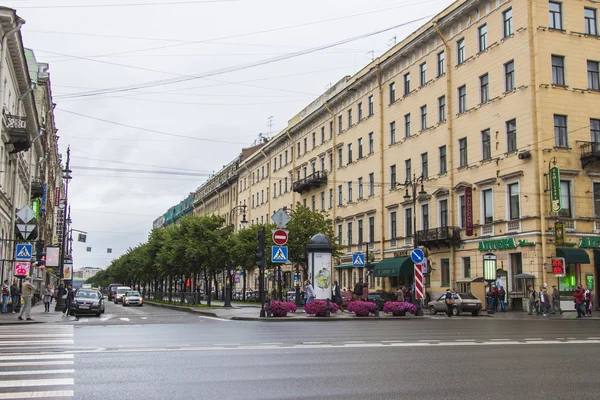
<point x="84" y="44"/>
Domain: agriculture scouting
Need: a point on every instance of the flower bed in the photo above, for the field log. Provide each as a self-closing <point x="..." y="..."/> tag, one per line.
<point x="399" y="307"/>
<point x="281" y="308"/>
<point x="361" y="308"/>
<point x="318" y="307"/>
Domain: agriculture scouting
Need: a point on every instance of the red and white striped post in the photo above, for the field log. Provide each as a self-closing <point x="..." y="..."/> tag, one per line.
<point x="419" y="288"/>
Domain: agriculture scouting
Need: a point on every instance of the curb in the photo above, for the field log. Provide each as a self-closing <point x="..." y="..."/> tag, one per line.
<point x="17" y="322"/>
<point x="182" y="308"/>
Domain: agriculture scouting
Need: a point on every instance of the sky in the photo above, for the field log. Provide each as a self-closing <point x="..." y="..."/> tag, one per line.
<point x="214" y="74"/>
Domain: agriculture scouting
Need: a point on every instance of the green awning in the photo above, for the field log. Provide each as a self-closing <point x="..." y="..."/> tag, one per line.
<point x="399" y="266"/>
<point x="343" y="266"/>
<point x="573" y="256"/>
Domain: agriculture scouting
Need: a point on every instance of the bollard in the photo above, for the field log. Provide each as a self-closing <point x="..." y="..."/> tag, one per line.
<point x="328" y="309"/>
<point x="268" y="309"/>
<point x="376" y="311"/>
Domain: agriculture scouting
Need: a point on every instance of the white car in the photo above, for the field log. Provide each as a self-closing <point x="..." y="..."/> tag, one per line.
<point x="132" y="298"/>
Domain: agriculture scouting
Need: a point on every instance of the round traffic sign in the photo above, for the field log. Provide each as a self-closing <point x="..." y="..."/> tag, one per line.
<point x="280" y="237"/>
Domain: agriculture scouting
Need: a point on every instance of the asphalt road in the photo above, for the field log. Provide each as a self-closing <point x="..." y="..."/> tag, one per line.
<point x="184" y="356"/>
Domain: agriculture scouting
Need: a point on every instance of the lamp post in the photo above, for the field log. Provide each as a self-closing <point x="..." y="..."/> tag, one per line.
<point x="413" y="185"/>
<point x="489" y="274"/>
<point x="243" y="222"/>
<point x="66" y="175"/>
<point x="228" y="281"/>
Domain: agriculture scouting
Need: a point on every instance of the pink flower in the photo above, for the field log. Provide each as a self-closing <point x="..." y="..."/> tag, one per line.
<point x="318" y="307"/>
<point x="361" y="308"/>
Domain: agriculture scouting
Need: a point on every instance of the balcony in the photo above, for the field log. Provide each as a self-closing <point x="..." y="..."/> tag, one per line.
<point x="319" y="178"/>
<point x="590" y="152"/>
<point x="444" y="236"/>
<point x="37" y="189"/>
<point x="17" y="131"/>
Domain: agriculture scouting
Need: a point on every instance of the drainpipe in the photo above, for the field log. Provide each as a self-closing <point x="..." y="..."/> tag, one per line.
<point x="450" y="147"/>
<point x="333" y="165"/>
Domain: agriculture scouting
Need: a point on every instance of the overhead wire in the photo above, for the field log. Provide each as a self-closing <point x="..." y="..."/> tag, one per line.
<point x="162" y="3"/>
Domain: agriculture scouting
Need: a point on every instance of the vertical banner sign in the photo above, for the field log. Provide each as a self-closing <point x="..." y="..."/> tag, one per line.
<point x="559" y="233"/>
<point x="43" y="204"/>
<point x="419" y="281"/>
<point x="319" y="268"/>
<point x="469" y="210"/>
<point x="35" y="206"/>
<point x="67" y="272"/>
<point x="555" y="205"/>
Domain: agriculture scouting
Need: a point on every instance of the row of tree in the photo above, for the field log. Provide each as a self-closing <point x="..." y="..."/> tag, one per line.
<point x="200" y="248"/>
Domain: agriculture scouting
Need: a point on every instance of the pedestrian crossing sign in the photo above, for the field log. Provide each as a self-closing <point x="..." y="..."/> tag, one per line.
<point x="279" y="254"/>
<point x="358" y="260"/>
<point x="23" y="251"/>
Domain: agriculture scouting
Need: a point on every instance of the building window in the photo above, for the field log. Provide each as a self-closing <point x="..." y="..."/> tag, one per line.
<point x="555" y="14"/>
<point x="561" y="138"/>
<point x="274" y="164"/>
<point x="425" y="216"/>
<point x="286" y="157"/>
<point x="445" y="272"/>
<point x="565" y="199"/>
<point x="349" y="153"/>
<point x="408" y="170"/>
<point x="509" y="76"/>
<point x="360" y="232"/>
<point x="466" y="262"/>
<point x="322" y="134"/>
<point x="507" y="19"/>
<point x="340" y="234"/>
<point x="392" y="92"/>
<point x="393" y="225"/>
<point x="424" y="166"/>
<point x="371" y="107"/>
<point x="442" y="108"/>
<point x="482" y="33"/>
<point x="462" y="152"/>
<point x="443" y="167"/>
<point x="285" y="184"/>
<point x="330" y="199"/>
<point x="511" y="136"/>
<point x="407" y="125"/>
<point x="558" y="70"/>
<point x="423" y="73"/>
<point x="371" y="229"/>
<point x="298" y="150"/>
<point x="462" y="99"/>
<point x="406" y="83"/>
<point x="330" y="156"/>
<point x="371" y="144"/>
<point x="462" y="208"/>
<point x="441" y="59"/>
<point x="322" y="159"/>
<point x="350" y="192"/>
<point x="408" y="222"/>
<point x="330" y="130"/>
<point x="274" y="190"/>
<point x="443" y="213"/>
<point x="360" y="148"/>
<point x="340" y="157"/>
<point x="371" y="184"/>
<point x="488" y="206"/>
<point x="392" y="132"/>
<point x="350" y="118"/>
<point x="595" y="130"/>
<point x="313" y="203"/>
<point x="340" y="124"/>
<point x="360" y="188"/>
<point x="486" y="145"/>
<point x="393" y="182"/>
<point x="340" y="199"/>
<point x="514" y="211"/>
<point x="591" y="25"/>
<point x="596" y="199"/>
<point x="593" y="80"/>
<point x="460" y="46"/>
<point x="484" y="88"/>
<point x="322" y="201"/>
<point x="423" y="118"/>
<point x="360" y="112"/>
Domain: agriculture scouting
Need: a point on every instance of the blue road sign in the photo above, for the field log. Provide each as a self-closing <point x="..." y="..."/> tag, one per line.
<point x="279" y="254"/>
<point x="417" y="256"/>
<point x="358" y="260"/>
<point x="23" y="251"/>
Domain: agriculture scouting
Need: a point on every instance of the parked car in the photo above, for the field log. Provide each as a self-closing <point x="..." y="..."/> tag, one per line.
<point x="377" y="298"/>
<point x="112" y="290"/>
<point x="347" y="297"/>
<point x="463" y="302"/>
<point x="132" y="298"/>
<point x="121" y="290"/>
<point x="87" y="301"/>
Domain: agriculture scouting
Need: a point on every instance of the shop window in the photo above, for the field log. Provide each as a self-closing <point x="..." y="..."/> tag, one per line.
<point x="569" y="282"/>
<point x="516" y="266"/>
<point x="466" y="264"/>
<point x="445" y="271"/>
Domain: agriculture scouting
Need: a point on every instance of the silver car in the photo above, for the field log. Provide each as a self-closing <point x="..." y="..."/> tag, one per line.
<point x="132" y="298"/>
<point x="463" y="302"/>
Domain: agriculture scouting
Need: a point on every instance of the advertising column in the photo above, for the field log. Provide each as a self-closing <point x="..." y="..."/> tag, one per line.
<point x="319" y="266"/>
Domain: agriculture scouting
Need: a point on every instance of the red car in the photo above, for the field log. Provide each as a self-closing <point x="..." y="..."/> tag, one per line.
<point x="347" y="297"/>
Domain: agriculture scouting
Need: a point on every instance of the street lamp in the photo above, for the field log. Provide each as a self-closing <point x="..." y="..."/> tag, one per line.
<point x="228" y="281"/>
<point x="66" y="175"/>
<point x="243" y="222"/>
<point x="489" y="274"/>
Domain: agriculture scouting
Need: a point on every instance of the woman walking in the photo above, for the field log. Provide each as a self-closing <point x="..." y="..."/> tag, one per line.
<point x="47" y="293"/>
<point x="309" y="292"/>
<point x="588" y="303"/>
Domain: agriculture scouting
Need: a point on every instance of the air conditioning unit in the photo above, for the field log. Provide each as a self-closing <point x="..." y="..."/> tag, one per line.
<point x="524" y="155"/>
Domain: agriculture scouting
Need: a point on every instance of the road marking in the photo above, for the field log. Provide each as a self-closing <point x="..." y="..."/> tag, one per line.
<point x="38" y="395"/>
<point x="38" y="372"/>
<point x="354" y="341"/>
<point x="312" y="342"/>
<point x="466" y="340"/>
<point x="500" y="339"/>
<point x="34" y="336"/>
<point x="34" y="363"/>
<point x="227" y="344"/>
<point x="271" y="344"/>
<point x="37" y="382"/>
<point x="215" y="318"/>
<point x="594" y="338"/>
<point x="536" y="338"/>
<point x="36" y="342"/>
<point x="143" y="317"/>
<point x="392" y="341"/>
<point x="37" y="357"/>
<point x="124" y="319"/>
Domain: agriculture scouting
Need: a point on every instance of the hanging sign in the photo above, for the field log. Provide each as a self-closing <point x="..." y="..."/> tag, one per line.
<point x="555" y="205"/>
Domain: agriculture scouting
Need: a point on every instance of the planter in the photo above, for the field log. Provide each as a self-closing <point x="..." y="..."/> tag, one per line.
<point x="319" y="314"/>
<point x="361" y="308"/>
<point x="399" y="308"/>
<point x="361" y="315"/>
<point x="399" y="313"/>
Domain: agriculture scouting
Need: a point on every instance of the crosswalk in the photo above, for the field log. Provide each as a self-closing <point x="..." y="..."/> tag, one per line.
<point x="35" y="362"/>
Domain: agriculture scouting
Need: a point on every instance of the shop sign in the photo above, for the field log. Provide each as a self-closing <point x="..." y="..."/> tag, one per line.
<point x="587" y="242"/>
<point x="558" y="266"/>
<point x="525" y="243"/>
<point x="559" y="233"/>
<point x="497" y="244"/>
<point x="555" y="205"/>
<point x="469" y="211"/>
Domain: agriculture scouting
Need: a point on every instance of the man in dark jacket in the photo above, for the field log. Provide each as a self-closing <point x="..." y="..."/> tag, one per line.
<point x="502" y="299"/>
<point x="69" y="300"/>
<point x="14" y="295"/>
<point x="358" y="288"/>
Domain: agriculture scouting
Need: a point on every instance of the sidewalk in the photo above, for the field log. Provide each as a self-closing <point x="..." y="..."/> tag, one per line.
<point x="37" y="314"/>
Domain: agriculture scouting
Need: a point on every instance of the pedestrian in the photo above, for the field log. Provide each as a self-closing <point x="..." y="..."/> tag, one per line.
<point x="449" y="302"/>
<point x="336" y="294"/>
<point x="14" y="294"/>
<point x="556" y="300"/>
<point x="309" y="292"/>
<point x="401" y="294"/>
<point x="365" y="292"/>
<point x="579" y="297"/>
<point x="544" y="301"/>
<point x="27" y="293"/>
<point x="47" y="293"/>
<point x="70" y="296"/>
<point x="532" y="300"/>
<point x="502" y="298"/>
<point x="5" y="296"/>
<point x="588" y="303"/>
<point x="358" y="289"/>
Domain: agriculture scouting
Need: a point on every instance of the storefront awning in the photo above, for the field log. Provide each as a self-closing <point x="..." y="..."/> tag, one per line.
<point x="524" y="276"/>
<point x="343" y="266"/>
<point x="573" y="256"/>
<point x="399" y="266"/>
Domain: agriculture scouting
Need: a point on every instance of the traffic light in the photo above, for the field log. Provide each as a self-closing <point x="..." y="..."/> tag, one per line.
<point x="40" y="254"/>
<point x="260" y="252"/>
